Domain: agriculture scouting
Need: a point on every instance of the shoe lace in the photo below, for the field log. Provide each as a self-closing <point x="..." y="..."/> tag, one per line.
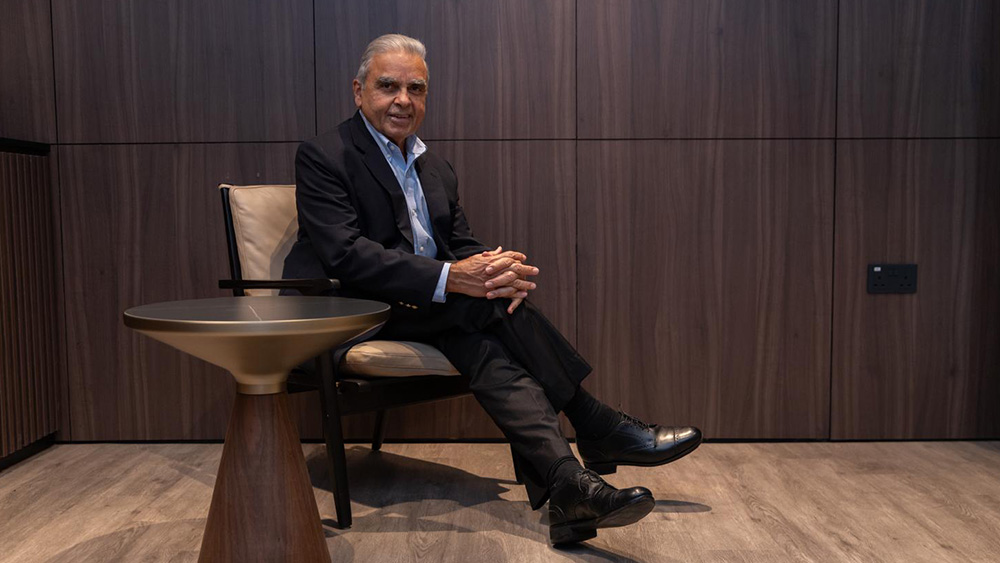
<point x="588" y="475"/>
<point x="629" y="419"/>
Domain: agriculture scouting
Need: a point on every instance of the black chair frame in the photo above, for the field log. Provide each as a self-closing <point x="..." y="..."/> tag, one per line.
<point x="340" y="395"/>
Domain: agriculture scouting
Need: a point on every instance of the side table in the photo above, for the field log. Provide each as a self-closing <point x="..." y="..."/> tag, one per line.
<point x="263" y="507"/>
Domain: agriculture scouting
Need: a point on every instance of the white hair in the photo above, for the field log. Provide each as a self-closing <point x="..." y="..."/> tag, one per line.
<point x="389" y="43"/>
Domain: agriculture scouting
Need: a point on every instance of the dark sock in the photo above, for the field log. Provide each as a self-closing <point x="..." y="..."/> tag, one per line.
<point x="590" y="418"/>
<point x="563" y="468"/>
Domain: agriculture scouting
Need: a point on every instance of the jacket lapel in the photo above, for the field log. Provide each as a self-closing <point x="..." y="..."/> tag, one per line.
<point x="376" y="164"/>
<point x="436" y="198"/>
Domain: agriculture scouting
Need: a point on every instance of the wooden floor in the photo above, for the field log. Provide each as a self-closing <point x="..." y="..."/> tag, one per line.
<point x="904" y="501"/>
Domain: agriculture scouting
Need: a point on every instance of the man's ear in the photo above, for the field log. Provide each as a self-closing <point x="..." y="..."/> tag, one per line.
<point x="357" y="93"/>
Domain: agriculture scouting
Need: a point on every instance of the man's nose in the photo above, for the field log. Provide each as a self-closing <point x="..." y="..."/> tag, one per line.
<point x="403" y="97"/>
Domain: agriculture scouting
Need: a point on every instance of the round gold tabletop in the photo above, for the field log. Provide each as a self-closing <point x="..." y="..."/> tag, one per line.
<point x="258" y="339"/>
<point x="255" y="314"/>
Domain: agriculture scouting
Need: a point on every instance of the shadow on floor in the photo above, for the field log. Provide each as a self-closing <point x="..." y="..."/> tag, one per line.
<point x="407" y="493"/>
<point x="680" y="506"/>
<point x="382" y="479"/>
<point x="144" y="542"/>
<point x="584" y="552"/>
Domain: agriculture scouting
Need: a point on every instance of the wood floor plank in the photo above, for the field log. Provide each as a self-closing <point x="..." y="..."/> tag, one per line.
<point x="766" y="502"/>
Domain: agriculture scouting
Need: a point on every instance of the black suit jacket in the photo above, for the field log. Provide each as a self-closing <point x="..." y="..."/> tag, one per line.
<point x="354" y="223"/>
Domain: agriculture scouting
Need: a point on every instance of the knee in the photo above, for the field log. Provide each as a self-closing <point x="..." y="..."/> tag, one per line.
<point x="472" y="314"/>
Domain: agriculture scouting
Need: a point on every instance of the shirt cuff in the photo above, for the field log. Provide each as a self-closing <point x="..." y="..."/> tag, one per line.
<point x="439" y="295"/>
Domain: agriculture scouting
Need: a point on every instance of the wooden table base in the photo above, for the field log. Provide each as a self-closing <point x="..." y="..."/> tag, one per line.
<point x="263" y="508"/>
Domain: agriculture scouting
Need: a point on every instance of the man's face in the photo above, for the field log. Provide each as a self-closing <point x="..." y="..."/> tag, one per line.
<point x="394" y="96"/>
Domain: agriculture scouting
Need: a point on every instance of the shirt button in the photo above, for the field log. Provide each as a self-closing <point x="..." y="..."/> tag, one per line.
<point x="421" y="249"/>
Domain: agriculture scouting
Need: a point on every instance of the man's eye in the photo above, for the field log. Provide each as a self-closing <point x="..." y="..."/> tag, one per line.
<point x="418" y="89"/>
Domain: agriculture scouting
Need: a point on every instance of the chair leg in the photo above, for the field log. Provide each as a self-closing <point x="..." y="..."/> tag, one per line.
<point x="334" y="436"/>
<point x="379" y="436"/>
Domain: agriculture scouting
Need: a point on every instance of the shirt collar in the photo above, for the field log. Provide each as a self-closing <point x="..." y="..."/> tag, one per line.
<point x="414" y="146"/>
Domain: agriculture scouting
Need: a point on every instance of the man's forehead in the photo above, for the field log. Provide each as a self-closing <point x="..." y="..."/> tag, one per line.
<point x="399" y="65"/>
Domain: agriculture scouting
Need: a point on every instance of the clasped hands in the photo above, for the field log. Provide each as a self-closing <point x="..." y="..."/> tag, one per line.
<point x="493" y="274"/>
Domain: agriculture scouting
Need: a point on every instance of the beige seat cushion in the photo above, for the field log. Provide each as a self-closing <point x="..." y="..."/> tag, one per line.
<point x="266" y="225"/>
<point x="389" y="358"/>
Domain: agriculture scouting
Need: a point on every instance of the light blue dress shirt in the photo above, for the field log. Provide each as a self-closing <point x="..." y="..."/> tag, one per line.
<point x="420" y="219"/>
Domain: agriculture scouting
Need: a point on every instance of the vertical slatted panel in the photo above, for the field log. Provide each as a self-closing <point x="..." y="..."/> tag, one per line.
<point x="6" y="440"/>
<point x="10" y="290"/>
<point x="9" y="395"/>
<point x="50" y="275"/>
<point x="13" y="388"/>
<point x="23" y="299"/>
<point x="29" y="355"/>
<point x="41" y="284"/>
<point x="23" y="416"/>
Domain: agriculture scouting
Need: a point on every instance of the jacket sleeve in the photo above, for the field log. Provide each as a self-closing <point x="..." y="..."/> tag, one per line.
<point x="329" y="218"/>
<point x="462" y="243"/>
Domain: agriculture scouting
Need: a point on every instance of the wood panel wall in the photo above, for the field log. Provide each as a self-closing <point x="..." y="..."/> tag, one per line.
<point x="923" y="365"/>
<point x="712" y="282"/>
<point x="27" y="105"/>
<point x="136" y="71"/>
<point x="917" y="182"/>
<point x="919" y="68"/>
<point x="29" y="338"/>
<point x="703" y="183"/>
<point x="706" y="68"/>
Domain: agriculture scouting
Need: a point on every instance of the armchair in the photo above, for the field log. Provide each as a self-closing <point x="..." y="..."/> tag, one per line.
<point x="360" y="376"/>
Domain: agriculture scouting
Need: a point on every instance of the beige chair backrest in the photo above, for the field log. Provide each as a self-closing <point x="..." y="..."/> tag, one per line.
<point x="265" y="225"/>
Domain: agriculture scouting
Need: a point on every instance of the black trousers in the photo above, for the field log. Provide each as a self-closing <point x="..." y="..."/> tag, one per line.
<point x="522" y="371"/>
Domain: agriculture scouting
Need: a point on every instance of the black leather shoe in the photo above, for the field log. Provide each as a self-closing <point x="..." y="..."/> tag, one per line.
<point x="582" y="503"/>
<point x="634" y="442"/>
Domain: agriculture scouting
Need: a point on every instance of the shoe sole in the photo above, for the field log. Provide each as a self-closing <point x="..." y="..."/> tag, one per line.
<point x="609" y="467"/>
<point x="582" y="530"/>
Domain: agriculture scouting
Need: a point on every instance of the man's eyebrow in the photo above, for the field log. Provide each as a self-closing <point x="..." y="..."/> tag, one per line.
<point x="389" y="82"/>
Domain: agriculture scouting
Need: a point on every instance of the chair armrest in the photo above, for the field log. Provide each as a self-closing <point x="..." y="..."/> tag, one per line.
<point x="306" y="286"/>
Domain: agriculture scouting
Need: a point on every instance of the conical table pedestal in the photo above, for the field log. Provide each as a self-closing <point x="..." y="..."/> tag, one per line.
<point x="263" y="508"/>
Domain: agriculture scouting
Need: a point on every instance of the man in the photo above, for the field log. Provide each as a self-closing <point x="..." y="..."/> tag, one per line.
<point x="381" y="214"/>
